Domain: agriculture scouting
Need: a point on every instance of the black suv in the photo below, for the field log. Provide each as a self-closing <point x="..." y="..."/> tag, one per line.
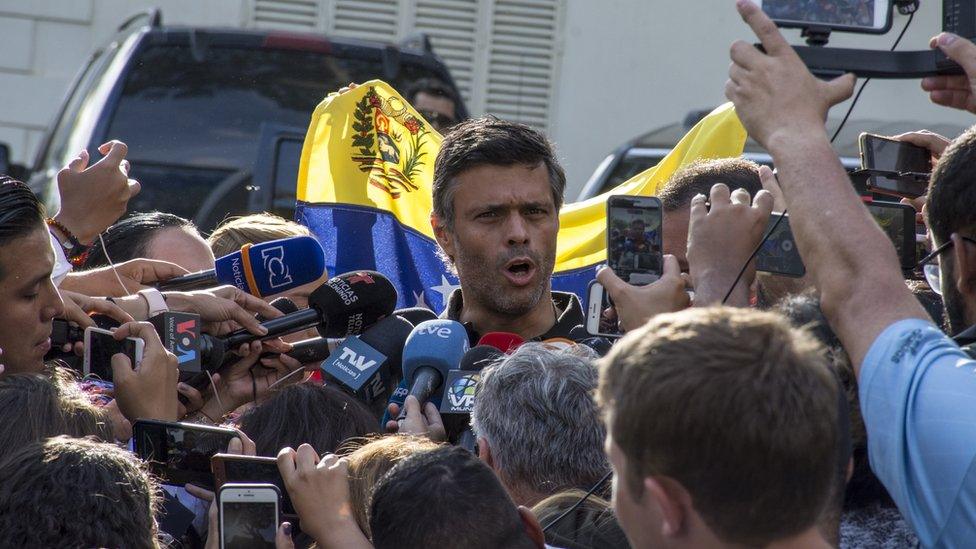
<point x="214" y="118"/>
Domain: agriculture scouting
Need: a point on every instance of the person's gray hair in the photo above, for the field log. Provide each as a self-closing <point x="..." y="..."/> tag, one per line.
<point x="536" y="410"/>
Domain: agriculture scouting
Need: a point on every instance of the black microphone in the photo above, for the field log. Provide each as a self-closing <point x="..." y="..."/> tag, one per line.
<point x="416" y="315"/>
<point x="283" y="304"/>
<point x="600" y="345"/>
<point x="311" y="350"/>
<point x="460" y="392"/>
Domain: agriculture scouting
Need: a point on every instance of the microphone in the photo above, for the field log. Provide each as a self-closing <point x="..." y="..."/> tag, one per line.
<point x="416" y="315"/>
<point x="283" y="304"/>
<point x="434" y="348"/>
<point x="505" y="342"/>
<point x="260" y="269"/>
<point x="601" y="345"/>
<point x="311" y="350"/>
<point x="460" y="391"/>
<point x="364" y="365"/>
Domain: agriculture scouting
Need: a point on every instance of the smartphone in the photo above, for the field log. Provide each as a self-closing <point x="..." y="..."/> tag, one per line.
<point x="634" y="238"/>
<point x="235" y="469"/>
<point x="179" y="453"/>
<point x="779" y="254"/>
<point x="248" y="515"/>
<point x="898" y="222"/>
<point x="906" y="167"/>
<point x="865" y="16"/>
<point x="101" y="346"/>
<point x="600" y="321"/>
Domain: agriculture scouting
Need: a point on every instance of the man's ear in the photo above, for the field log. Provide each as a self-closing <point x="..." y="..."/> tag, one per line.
<point x="442" y="235"/>
<point x="532" y="527"/>
<point x="673" y="501"/>
<point x="964" y="254"/>
<point x="484" y="452"/>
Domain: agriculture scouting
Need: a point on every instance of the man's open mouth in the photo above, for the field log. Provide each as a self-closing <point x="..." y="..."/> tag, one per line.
<point x="519" y="271"/>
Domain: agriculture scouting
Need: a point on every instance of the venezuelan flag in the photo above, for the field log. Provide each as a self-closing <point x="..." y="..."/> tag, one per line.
<point x="364" y="190"/>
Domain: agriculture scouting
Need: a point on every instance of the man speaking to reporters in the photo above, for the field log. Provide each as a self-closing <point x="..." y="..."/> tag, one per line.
<point x="497" y="192"/>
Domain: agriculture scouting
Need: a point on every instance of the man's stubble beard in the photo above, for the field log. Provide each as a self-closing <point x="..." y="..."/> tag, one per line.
<point x="476" y="274"/>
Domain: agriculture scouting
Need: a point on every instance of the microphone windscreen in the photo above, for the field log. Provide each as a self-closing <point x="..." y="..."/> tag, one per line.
<point x="503" y="341"/>
<point x="388" y="337"/>
<point x="273" y="267"/>
<point x="283" y="304"/>
<point x="416" y="315"/>
<point x="353" y="301"/>
<point x="479" y="357"/>
<point x="438" y="344"/>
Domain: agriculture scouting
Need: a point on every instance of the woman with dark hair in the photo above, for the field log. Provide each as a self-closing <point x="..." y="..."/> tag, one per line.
<point x="152" y="235"/>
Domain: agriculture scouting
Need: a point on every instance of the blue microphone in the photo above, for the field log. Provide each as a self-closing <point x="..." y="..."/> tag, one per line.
<point x="261" y="269"/>
<point x="432" y="350"/>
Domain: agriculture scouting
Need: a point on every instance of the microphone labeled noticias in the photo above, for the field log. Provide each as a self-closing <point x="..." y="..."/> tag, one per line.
<point x="261" y="269"/>
<point x="433" y="349"/>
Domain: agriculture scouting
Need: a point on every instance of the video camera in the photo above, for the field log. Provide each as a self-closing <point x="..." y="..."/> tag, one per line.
<point x="818" y="18"/>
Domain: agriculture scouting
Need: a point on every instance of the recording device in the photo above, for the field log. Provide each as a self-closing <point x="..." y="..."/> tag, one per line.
<point x="432" y="350"/>
<point x="898" y="222"/>
<point x="416" y="315"/>
<point x="248" y="515"/>
<point x="260" y="269"/>
<point x="634" y="238"/>
<point x="237" y="469"/>
<point x="283" y="304"/>
<point x="460" y="390"/>
<point x="581" y="336"/>
<point x="863" y="16"/>
<point x="369" y="365"/>
<point x="601" y="320"/>
<point x="179" y="453"/>
<point x="779" y="254"/>
<point x="894" y="167"/>
<point x="505" y="342"/>
<point x="101" y="346"/>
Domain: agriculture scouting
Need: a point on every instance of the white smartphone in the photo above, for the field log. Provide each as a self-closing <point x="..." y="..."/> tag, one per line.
<point x="599" y="322"/>
<point x="248" y="515"/>
<point x="868" y="16"/>
<point x="101" y="345"/>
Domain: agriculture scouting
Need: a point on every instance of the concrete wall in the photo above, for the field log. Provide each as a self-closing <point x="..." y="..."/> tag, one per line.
<point x="630" y="66"/>
<point x="46" y="42"/>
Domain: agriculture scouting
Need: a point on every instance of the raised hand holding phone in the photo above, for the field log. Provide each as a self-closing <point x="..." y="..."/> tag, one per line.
<point x="635" y="305"/>
<point x="149" y="391"/>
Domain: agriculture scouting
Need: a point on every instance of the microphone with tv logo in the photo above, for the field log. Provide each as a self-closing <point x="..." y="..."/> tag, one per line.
<point x="261" y="269"/>
<point x="365" y="365"/>
<point x="433" y="349"/>
<point x="460" y="391"/>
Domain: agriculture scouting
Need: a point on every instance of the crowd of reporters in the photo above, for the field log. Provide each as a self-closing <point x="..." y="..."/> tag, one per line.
<point x="739" y="409"/>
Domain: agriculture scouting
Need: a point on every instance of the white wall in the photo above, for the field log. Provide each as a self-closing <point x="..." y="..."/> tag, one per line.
<point x="630" y="66"/>
<point x="45" y="42"/>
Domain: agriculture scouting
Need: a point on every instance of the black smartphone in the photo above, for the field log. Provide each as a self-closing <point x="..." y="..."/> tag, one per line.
<point x="233" y="468"/>
<point x="898" y="222"/>
<point x="101" y="346"/>
<point x="634" y="238"/>
<point x="179" y="453"/>
<point x="779" y="254"/>
<point x="903" y="169"/>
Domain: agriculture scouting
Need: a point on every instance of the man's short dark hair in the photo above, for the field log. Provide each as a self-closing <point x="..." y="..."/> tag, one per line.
<point x="444" y="498"/>
<point x="20" y="211"/>
<point x="129" y="238"/>
<point x="70" y="492"/>
<point x="952" y="193"/>
<point x="492" y="142"/>
<point x="699" y="176"/>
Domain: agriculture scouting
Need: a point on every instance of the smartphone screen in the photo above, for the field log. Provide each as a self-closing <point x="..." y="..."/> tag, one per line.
<point x="898" y="222"/>
<point x="101" y="346"/>
<point x="248" y="524"/>
<point x="779" y="254"/>
<point x="179" y="453"/>
<point x="254" y="470"/>
<point x="864" y="15"/>
<point x="634" y="238"/>
<point x="879" y="153"/>
<point x="601" y="320"/>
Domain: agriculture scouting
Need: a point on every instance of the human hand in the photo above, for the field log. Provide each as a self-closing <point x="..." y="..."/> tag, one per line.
<point x="77" y="307"/>
<point x="774" y="94"/>
<point x="721" y="239"/>
<point x="319" y="490"/>
<point x="426" y="423"/>
<point x="936" y="144"/>
<point x="769" y="182"/>
<point x="94" y="197"/>
<point x="244" y="381"/>
<point x="149" y="390"/>
<point x="136" y="274"/>
<point x="223" y="309"/>
<point x="634" y="305"/>
<point x="954" y="91"/>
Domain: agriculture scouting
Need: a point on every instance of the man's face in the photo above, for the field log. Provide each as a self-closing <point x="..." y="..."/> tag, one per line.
<point x="504" y="238"/>
<point x="30" y="301"/>
<point x="675" y="235"/>
<point x="439" y="110"/>
<point x="636" y="518"/>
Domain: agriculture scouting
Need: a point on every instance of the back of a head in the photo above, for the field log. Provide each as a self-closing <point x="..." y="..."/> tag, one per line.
<point x="130" y="238"/>
<point x="66" y="492"/>
<point x="444" y="498"/>
<point x="34" y="407"/>
<point x="951" y="192"/>
<point x="252" y="229"/>
<point x="592" y="525"/>
<point x="736" y="406"/>
<point x="536" y="410"/>
<point x="370" y="461"/>
<point x="698" y="178"/>
<point x="303" y="413"/>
